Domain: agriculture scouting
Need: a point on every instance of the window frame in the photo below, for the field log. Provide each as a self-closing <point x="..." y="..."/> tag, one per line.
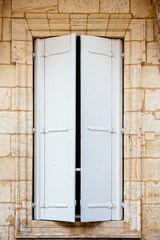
<point x="22" y="47"/>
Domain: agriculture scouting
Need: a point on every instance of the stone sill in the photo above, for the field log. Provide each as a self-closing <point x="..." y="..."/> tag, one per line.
<point x="78" y="236"/>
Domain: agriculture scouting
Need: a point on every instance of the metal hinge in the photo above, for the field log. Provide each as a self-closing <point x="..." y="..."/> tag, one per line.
<point x="34" y="130"/>
<point x="122" y="55"/>
<point x="34" y="54"/>
<point x="122" y="131"/>
<point x="33" y="205"/>
<point x="123" y="205"/>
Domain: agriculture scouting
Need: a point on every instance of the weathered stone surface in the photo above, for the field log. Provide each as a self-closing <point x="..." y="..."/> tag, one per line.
<point x="22" y="50"/>
<point x="26" y="168"/>
<point x="152" y="192"/>
<point x="155" y="234"/>
<point x="8" y="213"/>
<point x="150" y="77"/>
<point x="5" y="98"/>
<point x="151" y="214"/>
<point x="132" y="169"/>
<point x="149" y="136"/>
<point x="0" y="28"/>
<point x="150" y="169"/>
<point x="22" y="5"/>
<point x="149" y="123"/>
<point x="133" y="52"/>
<point x="133" y="190"/>
<point x="132" y="99"/>
<point x="24" y="143"/>
<point x="141" y="9"/>
<point x="5" y="144"/>
<point x="25" y="97"/>
<point x="5" y="48"/>
<point x="7" y="169"/>
<point x="6" y="8"/>
<point x="4" y="191"/>
<point x="114" y="6"/>
<point x="149" y="30"/>
<point x="8" y="122"/>
<point x="132" y="76"/>
<point x="152" y="53"/>
<point x="8" y="75"/>
<point x="7" y="29"/>
<point x="78" y="6"/>
<point x="152" y="100"/>
<point x="153" y="147"/>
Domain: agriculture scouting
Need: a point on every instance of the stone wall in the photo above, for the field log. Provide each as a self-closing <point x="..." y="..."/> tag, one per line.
<point x="133" y="20"/>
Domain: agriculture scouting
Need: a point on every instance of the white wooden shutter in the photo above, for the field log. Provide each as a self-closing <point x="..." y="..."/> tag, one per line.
<point x="98" y="130"/>
<point x="55" y="128"/>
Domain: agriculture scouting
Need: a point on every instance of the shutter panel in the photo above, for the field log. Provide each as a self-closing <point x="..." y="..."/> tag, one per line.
<point x="96" y="129"/>
<point x="117" y="124"/>
<point x="57" y="163"/>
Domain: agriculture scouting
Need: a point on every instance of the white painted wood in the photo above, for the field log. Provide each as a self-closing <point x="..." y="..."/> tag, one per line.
<point x="38" y="124"/>
<point x="59" y="129"/>
<point x="95" y="142"/>
<point x="117" y="124"/>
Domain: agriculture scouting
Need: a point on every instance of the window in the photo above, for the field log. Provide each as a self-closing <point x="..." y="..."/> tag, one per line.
<point x="56" y="138"/>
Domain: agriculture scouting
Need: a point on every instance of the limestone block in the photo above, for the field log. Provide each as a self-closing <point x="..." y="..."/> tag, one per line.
<point x="17" y="15"/>
<point x="25" y="122"/>
<point x="78" y="6"/>
<point x="4" y="191"/>
<point x="152" y="192"/>
<point x="132" y="146"/>
<point x="7" y="169"/>
<point x="5" y="144"/>
<point x="135" y="31"/>
<point x="96" y="23"/>
<point x="4" y="98"/>
<point x="149" y="30"/>
<point x="149" y="123"/>
<point x="141" y="9"/>
<point x="151" y="213"/>
<point x="0" y="28"/>
<point x="150" y="169"/>
<point x="132" y="169"/>
<point x="5" y="48"/>
<point x="153" y="148"/>
<point x="150" y="77"/>
<point x="36" y="16"/>
<point x="152" y="53"/>
<point x="118" y="25"/>
<point x="132" y="76"/>
<point x="38" y="24"/>
<point x="23" y="50"/>
<point x="8" y="122"/>
<point x="6" y="9"/>
<point x="152" y="100"/>
<point x="25" y="190"/>
<point x="132" y="122"/>
<point x="25" y="99"/>
<point x="20" y="30"/>
<point x="78" y="22"/>
<point x="133" y="190"/>
<point x="7" y="76"/>
<point x="25" y="169"/>
<point x="59" y="22"/>
<point x="155" y="234"/>
<point x="157" y="115"/>
<point x="42" y="34"/>
<point x="25" y="76"/>
<point x="149" y="136"/>
<point x="114" y="6"/>
<point x="8" y="212"/>
<point x="22" y="5"/>
<point x="7" y="34"/>
<point x="24" y="143"/>
<point x="133" y="99"/>
<point x="133" y="52"/>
